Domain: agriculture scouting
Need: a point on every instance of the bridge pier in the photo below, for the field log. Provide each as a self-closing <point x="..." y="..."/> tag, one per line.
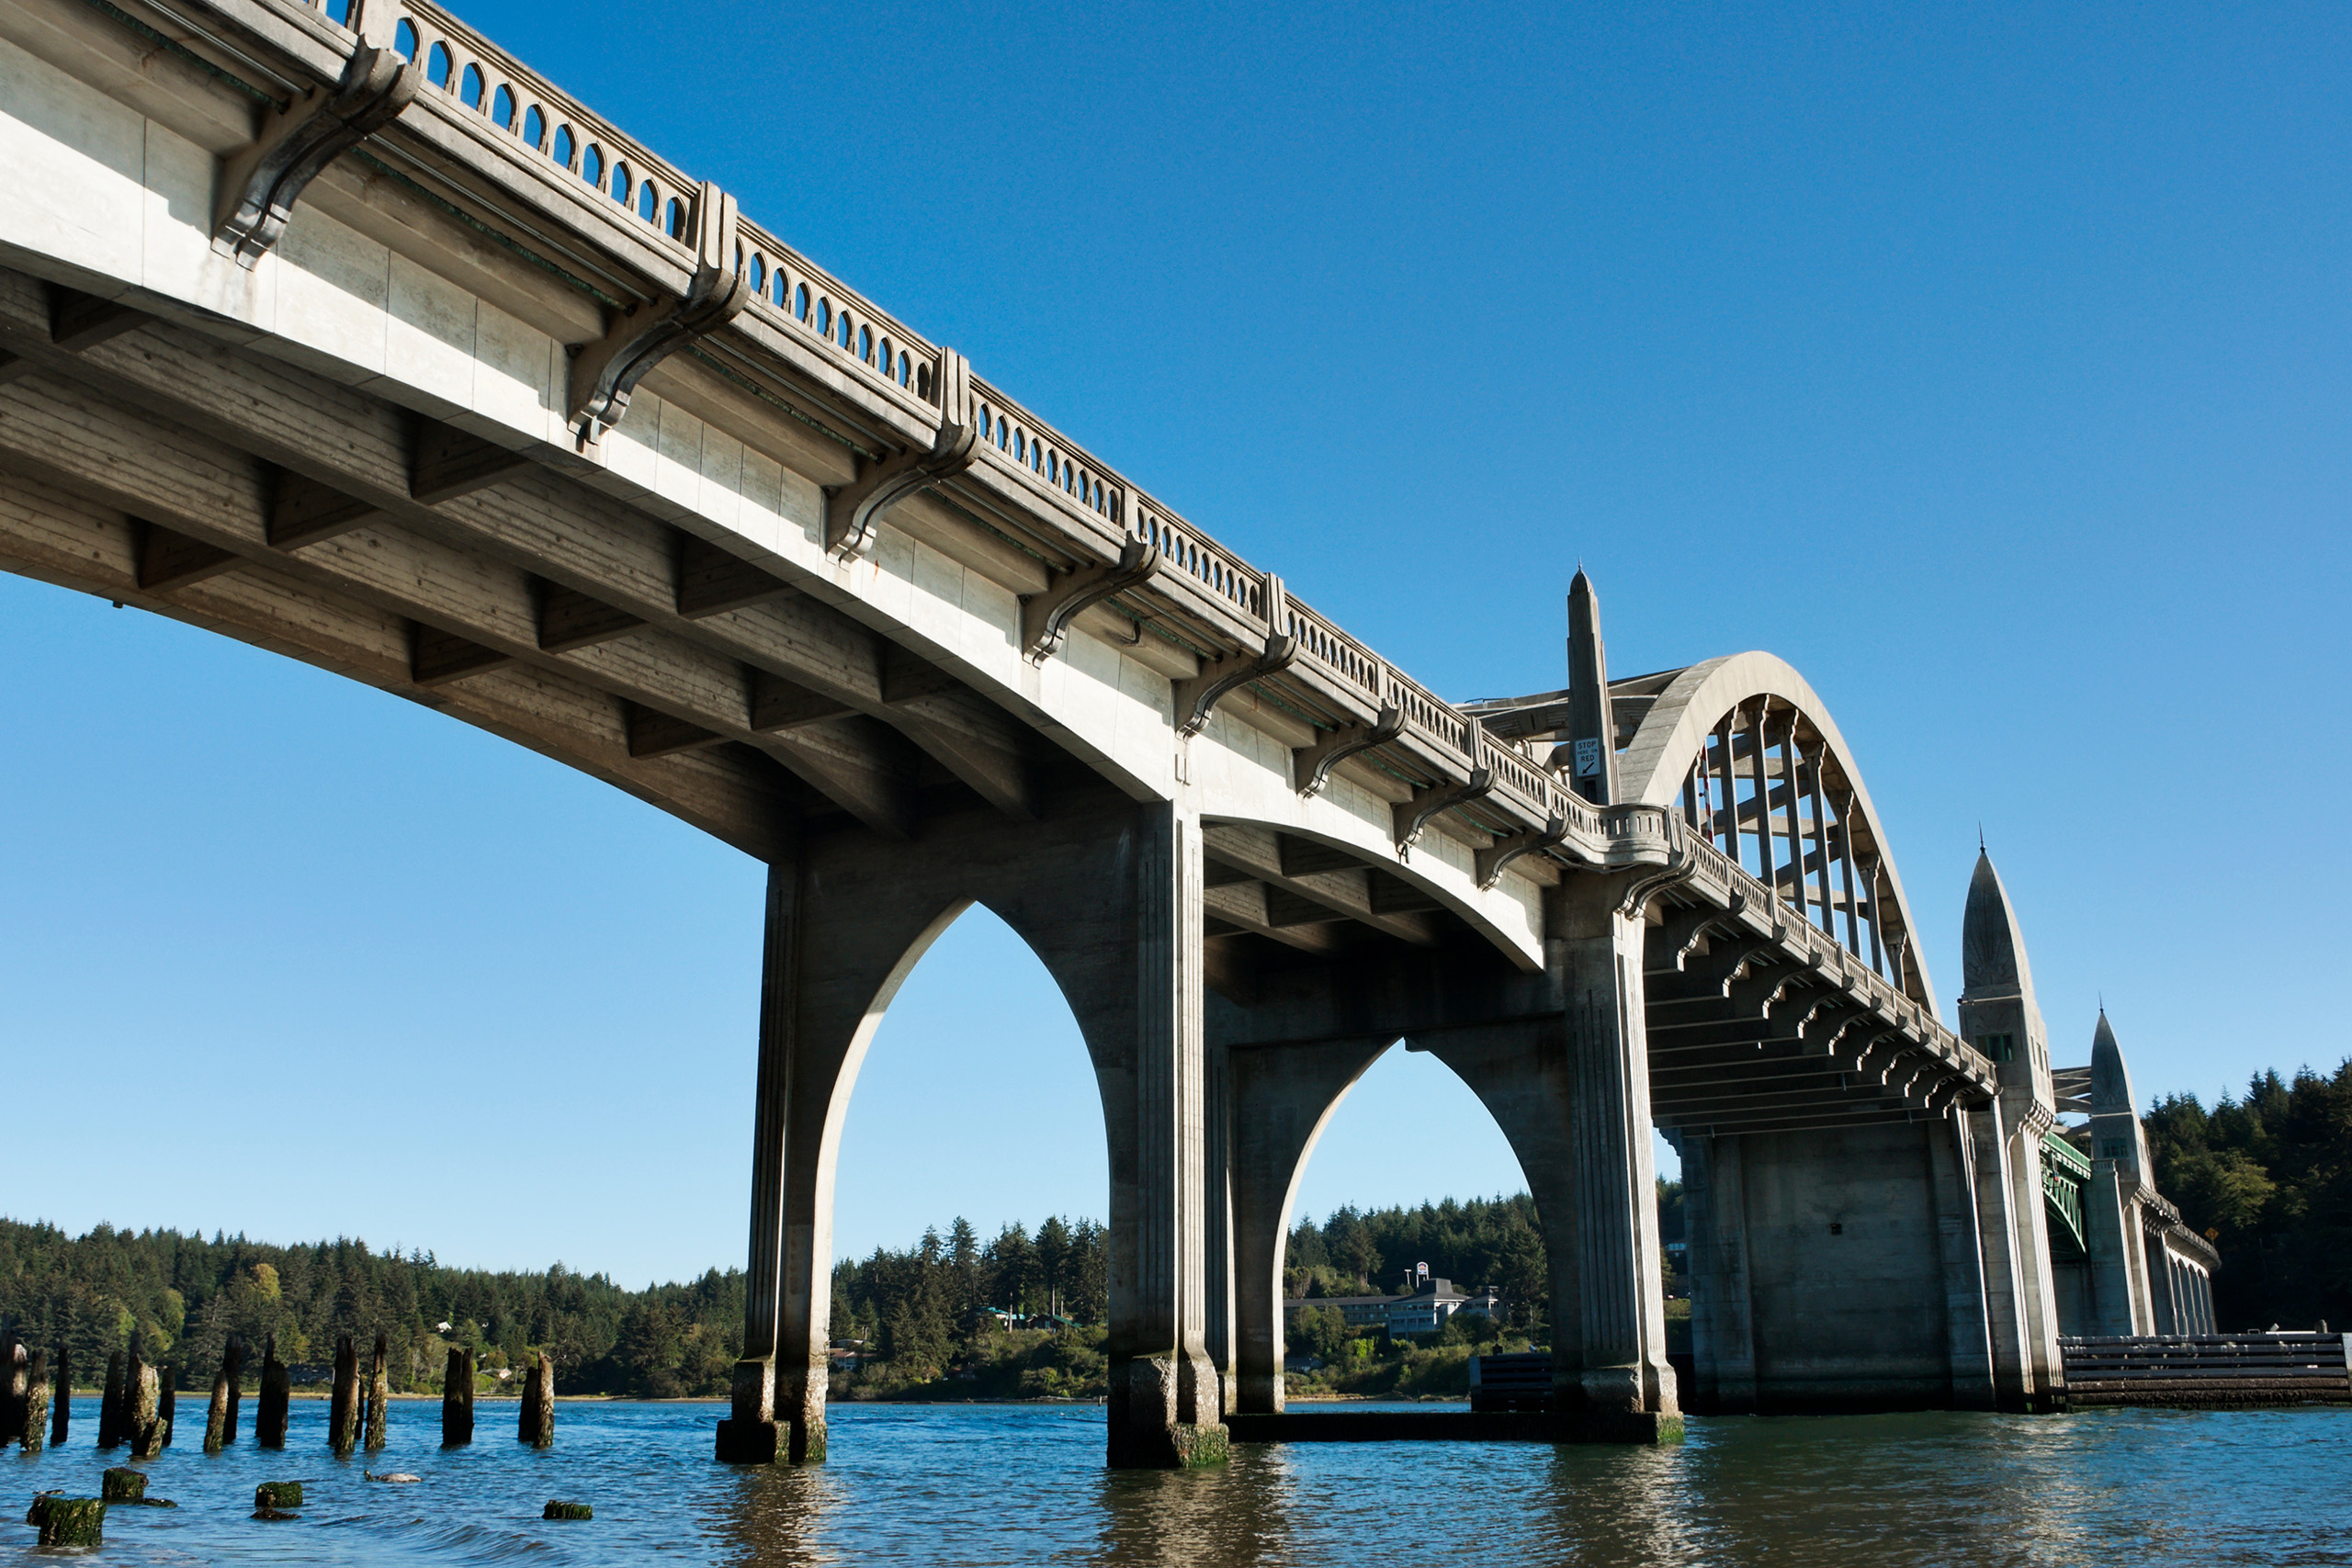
<point x="1860" y="1268"/>
<point x="1559" y="1059"/>
<point x="1107" y="893"/>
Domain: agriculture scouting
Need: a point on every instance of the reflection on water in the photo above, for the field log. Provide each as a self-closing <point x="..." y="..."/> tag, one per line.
<point x="995" y="1484"/>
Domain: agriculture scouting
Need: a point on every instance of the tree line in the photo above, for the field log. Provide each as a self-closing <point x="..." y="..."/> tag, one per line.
<point x="183" y="1297"/>
<point x="2267" y="1178"/>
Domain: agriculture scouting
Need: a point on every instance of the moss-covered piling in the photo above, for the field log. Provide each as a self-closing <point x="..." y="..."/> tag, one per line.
<point x="555" y="1510"/>
<point x="380" y="1394"/>
<point x="343" y="1402"/>
<point x="279" y="1495"/>
<point x="38" y="1392"/>
<point x="123" y="1485"/>
<point x="69" y="1521"/>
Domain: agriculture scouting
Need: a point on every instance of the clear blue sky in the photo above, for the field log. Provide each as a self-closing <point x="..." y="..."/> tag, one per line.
<point x="1987" y="363"/>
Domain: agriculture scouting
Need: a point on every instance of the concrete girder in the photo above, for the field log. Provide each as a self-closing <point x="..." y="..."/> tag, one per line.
<point x="481" y="612"/>
<point x="534" y="521"/>
<point x="64" y="538"/>
<point x="1328" y="880"/>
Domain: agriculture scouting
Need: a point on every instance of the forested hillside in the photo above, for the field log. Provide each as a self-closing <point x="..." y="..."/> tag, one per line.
<point x="2270" y="1178"/>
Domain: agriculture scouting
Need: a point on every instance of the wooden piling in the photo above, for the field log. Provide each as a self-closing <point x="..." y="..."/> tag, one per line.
<point x="216" y="1414"/>
<point x="379" y="1391"/>
<point x="142" y="1408"/>
<point x="269" y="1421"/>
<point x="535" y="1425"/>
<point x="343" y="1404"/>
<point x="458" y="1399"/>
<point x="61" y="1412"/>
<point x="13" y="1386"/>
<point x="232" y="1360"/>
<point x="167" y="1402"/>
<point x="37" y="1398"/>
<point x="71" y="1521"/>
<point x="110" y="1404"/>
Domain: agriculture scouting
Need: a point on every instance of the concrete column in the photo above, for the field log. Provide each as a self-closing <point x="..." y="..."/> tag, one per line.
<point x="1593" y="948"/>
<point x="750" y="1436"/>
<point x="1571" y="1092"/>
<point x="1283" y="1097"/>
<point x="1723" y="1327"/>
<point x="2036" y="1279"/>
<point x="1217" y="1256"/>
<point x="1959" y="1238"/>
<point x="1163" y="1404"/>
<point x="2110" y="1237"/>
<point x="2002" y="1237"/>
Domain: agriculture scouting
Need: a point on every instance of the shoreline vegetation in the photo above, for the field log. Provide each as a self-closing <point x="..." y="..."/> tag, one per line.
<point x="1018" y="1317"/>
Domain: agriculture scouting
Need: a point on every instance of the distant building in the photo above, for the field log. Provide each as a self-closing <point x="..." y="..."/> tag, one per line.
<point x="1421" y="1311"/>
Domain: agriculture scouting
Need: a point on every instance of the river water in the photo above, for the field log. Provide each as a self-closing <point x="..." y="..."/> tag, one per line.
<point x="1025" y="1483"/>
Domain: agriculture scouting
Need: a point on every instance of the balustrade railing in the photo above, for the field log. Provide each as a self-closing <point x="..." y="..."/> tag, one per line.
<point x="793" y="295"/>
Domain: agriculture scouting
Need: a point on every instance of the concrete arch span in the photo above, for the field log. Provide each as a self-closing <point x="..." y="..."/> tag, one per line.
<point x="1283" y="1100"/>
<point x="1745" y="750"/>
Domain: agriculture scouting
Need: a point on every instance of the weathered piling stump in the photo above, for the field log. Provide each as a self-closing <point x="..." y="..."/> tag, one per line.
<point x="277" y="1393"/>
<point x="69" y="1521"/>
<point x="216" y="1414"/>
<point x="167" y="1402"/>
<point x="37" y="1398"/>
<point x="343" y="1402"/>
<point x="232" y="1360"/>
<point x="123" y="1485"/>
<point x="16" y="1385"/>
<point x="110" y="1404"/>
<point x="536" y="1424"/>
<point x="568" y="1511"/>
<point x="276" y="1499"/>
<point x="142" y="1408"/>
<point x="379" y="1393"/>
<point x="61" y="1412"/>
<point x="458" y="1399"/>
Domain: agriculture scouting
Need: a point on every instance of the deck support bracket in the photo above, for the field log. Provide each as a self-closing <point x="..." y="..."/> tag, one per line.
<point x="1411" y="818"/>
<point x="852" y="511"/>
<point x="1502" y="852"/>
<point x="1045" y="616"/>
<point x="1197" y="696"/>
<point x="261" y="185"/>
<point x="605" y="373"/>
<point x="1312" y="765"/>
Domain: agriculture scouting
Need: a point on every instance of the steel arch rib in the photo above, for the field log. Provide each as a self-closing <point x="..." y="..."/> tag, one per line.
<point x="1671" y="734"/>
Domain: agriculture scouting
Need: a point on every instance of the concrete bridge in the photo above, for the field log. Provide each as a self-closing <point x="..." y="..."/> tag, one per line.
<point x="343" y="333"/>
